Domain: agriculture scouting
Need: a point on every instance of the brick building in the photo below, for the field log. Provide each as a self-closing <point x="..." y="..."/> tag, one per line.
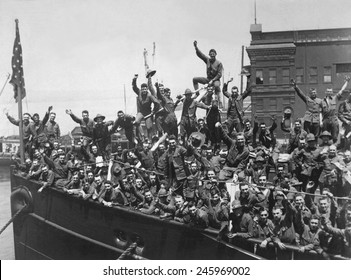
<point x="314" y="58"/>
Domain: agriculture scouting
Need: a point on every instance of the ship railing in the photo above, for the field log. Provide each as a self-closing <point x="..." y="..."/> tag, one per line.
<point x="290" y="253"/>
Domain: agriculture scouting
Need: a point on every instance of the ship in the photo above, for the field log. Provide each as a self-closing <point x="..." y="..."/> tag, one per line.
<point x="54" y="225"/>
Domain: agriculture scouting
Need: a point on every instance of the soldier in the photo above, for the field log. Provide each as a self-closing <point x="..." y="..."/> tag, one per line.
<point x="329" y="110"/>
<point x="166" y="120"/>
<point x="125" y="122"/>
<point x="102" y="136"/>
<point x="144" y="101"/>
<point x="344" y="114"/>
<point x="27" y="133"/>
<point x="294" y="135"/>
<point x="214" y="69"/>
<point x="86" y="125"/>
<point x="175" y="169"/>
<point x="238" y="155"/>
<point x="235" y="106"/>
<point x="52" y="127"/>
<point x="188" y="119"/>
<point x="312" y="118"/>
<point x="37" y="128"/>
<point x="310" y="160"/>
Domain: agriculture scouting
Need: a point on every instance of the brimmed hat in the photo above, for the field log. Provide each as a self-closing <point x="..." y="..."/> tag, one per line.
<point x="117" y="169"/>
<point x="162" y="192"/>
<point x="326" y="133"/>
<point x="128" y="168"/>
<point x="187" y="91"/>
<point x="99" y="116"/>
<point x="310" y="137"/>
<point x="259" y="158"/>
<point x="197" y="139"/>
<point x="150" y="73"/>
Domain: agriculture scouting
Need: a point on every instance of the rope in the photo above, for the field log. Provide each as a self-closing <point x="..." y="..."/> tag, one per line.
<point x="290" y="191"/>
<point x="7" y="78"/>
<point x="141" y="169"/>
<point x="128" y="252"/>
<point x="12" y="219"/>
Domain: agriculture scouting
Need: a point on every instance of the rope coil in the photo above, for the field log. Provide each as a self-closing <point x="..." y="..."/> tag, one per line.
<point x="128" y="252"/>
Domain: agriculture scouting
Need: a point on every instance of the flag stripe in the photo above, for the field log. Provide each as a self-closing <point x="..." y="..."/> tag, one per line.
<point x="17" y="78"/>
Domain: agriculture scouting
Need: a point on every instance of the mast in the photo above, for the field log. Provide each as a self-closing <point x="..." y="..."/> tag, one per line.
<point x="242" y="66"/>
<point x="21" y="147"/>
<point x="125" y="99"/>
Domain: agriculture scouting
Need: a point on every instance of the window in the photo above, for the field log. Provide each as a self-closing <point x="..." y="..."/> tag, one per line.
<point x="286" y="76"/>
<point x="273" y="104"/>
<point x="299" y="75"/>
<point x="259" y="77"/>
<point x="313" y="77"/>
<point x="327" y="78"/>
<point x="259" y="105"/>
<point x="272" y="76"/>
<point x="343" y="69"/>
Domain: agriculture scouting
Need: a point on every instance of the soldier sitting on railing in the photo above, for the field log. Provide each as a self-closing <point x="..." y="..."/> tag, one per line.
<point x="345" y="233"/>
<point x="308" y="236"/>
<point x="198" y="217"/>
<point x="263" y="229"/>
<point x="283" y="231"/>
<point x="299" y="203"/>
<point x="46" y="178"/>
<point x="35" y="170"/>
<point x="182" y="211"/>
<point x="75" y="186"/>
<point x="108" y="195"/>
<point x="165" y="201"/>
<point x="241" y="220"/>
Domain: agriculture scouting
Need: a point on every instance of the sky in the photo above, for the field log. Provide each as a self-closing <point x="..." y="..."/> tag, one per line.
<point x="80" y="54"/>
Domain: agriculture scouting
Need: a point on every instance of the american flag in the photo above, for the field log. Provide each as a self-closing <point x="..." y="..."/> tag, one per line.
<point x="17" y="79"/>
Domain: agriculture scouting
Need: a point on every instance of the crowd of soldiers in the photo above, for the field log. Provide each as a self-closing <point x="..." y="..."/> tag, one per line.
<point x="233" y="176"/>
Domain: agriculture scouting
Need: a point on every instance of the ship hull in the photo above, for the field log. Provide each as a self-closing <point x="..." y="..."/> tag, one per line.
<point x="60" y="226"/>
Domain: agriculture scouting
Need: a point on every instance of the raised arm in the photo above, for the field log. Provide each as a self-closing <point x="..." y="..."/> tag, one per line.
<point x="46" y="117"/>
<point x="151" y="87"/>
<point x="12" y="120"/>
<point x="274" y="125"/>
<point x="298" y="90"/>
<point x="225" y="88"/>
<point x="199" y="53"/>
<point x="135" y="87"/>
<point x="340" y="92"/>
<point x="73" y="116"/>
<point x="248" y="89"/>
<point x="226" y="139"/>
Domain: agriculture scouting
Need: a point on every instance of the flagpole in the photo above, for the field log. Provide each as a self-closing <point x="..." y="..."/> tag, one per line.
<point x="125" y="99"/>
<point x="19" y="96"/>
